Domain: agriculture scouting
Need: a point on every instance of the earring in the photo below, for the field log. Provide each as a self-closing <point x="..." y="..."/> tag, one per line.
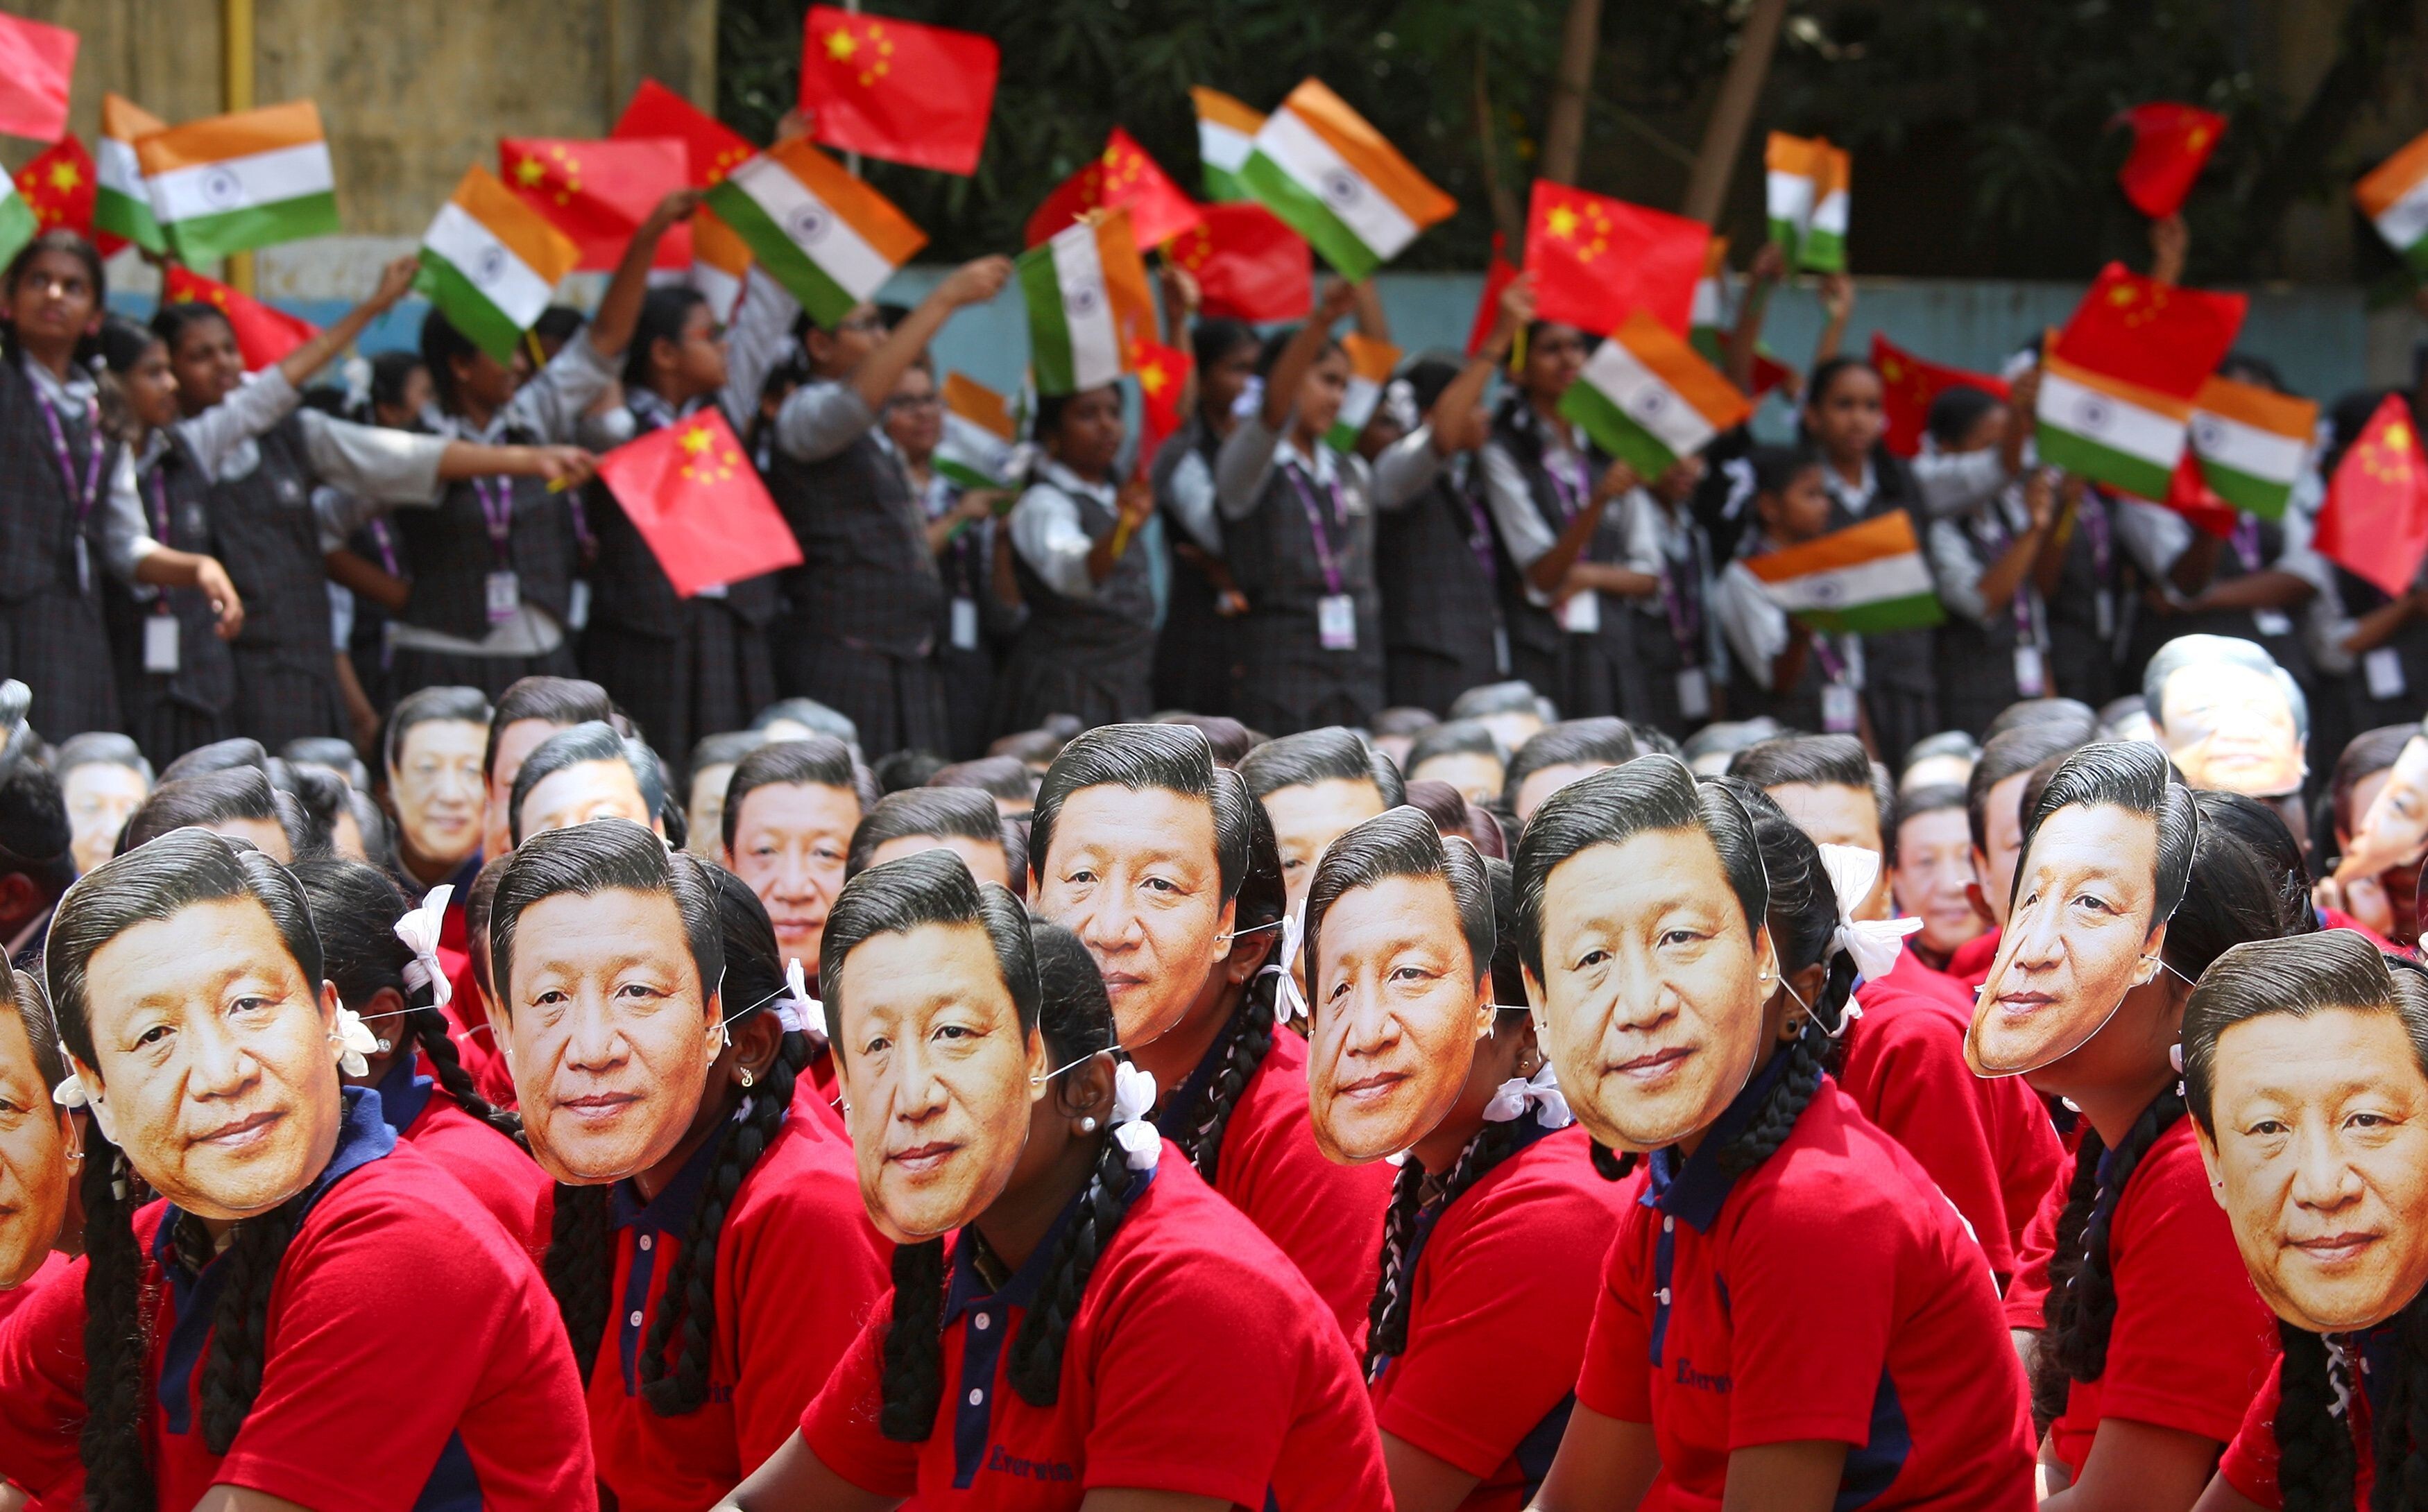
<point x="385" y="1046"/>
<point x="746" y="1078"/>
<point x="1088" y="1124"/>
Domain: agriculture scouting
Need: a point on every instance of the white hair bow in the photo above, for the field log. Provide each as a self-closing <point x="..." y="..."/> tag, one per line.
<point x="1874" y="944"/>
<point x="355" y="1043"/>
<point x="1133" y="1099"/>
<point x="1514" y="1096"/>
<point x="70" y="1092"/>
<point x="1289" y="1002"/>
<point x="800" y="1013"/>
<point x="418" y="929"/>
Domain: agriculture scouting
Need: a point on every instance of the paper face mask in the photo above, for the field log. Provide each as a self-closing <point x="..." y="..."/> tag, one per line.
<point x="34" y="1170"/>
<point x="2394" y="829"/>
<point x="1397" y="1016"/>
<point x="609" y="1032"/>
<point x="937" y="1077"/>
<point x="2231" y="728"/>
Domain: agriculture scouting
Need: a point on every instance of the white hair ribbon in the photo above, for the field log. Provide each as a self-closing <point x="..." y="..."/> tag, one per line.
<point x="70" y="1092"/>
<point x="800" y="1013"/>
<point x="1514" y="1096"/>
<point x="418" y="929"/>
<point x="1874" y="944"/>
<point x="1289" y="1002"/>
<point x="1133" y="1099"/>
<point x="355" y="1043"/>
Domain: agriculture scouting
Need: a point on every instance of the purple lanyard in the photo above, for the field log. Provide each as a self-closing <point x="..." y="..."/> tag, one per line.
<point x="2093" y="520"/>
<point x="1682" y="603"/>
<point x="385" y="541"/>
<point x="2246" y="543"/>
<point x="497" y="508"/>
<point x="160" y="505"/>
<point x="1571" y="490"/>
<point x="1323" y="557"/>
<point x="91" y="493"/>
<point x="1479" y="534"/>
<point x="1832" y="669"/>
<point x="2027" y="629"/>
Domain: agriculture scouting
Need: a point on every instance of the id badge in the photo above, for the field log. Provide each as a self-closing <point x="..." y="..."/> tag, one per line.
<point x="965" y="624"/>
<point x="2103" y="613"/>
<point x="2032" y="676"/>
<point x="1499" y="651"/>
<point x="2272" y="621"/>
<point x="506" y="596"/>
<point x="83" y="565"/>
<point x="1693" y="694"/>
<point x="712" y="590"/>
<point x="2383" y="670"/>
<point x="1838" y="709"/>
<point x="1336" y="623"/>
<point x="159" y="643"/>
<point x="1581" y="613"/>
<point x="577" y="604"/>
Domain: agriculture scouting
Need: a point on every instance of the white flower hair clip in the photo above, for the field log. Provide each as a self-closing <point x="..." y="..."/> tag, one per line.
<point x="70" y="1092"/>
<point x="1289" y="1002"/>
<point x="420" y="929"/>
<point x="1511" y="1099"/>
<point x="355" y="1043"/>
<point x="799" y="1013"/>
<point x="1133" y="1099"/>
<point x="1874" y="944"/>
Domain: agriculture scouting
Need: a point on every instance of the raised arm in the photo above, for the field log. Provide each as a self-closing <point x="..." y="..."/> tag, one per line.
<point x="1447" y="419"/>
<point x="395" y="281"/>
<point x="619" y="309"/>
<point x="1305" y="344"/>
<point x="972" y="283"/>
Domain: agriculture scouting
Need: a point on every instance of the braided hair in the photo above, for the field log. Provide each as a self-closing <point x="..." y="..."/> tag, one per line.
<point x="1249" y="1037"/>
<point x="177" y="871"/>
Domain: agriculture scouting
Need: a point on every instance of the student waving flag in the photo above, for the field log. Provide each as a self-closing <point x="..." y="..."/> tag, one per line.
<point x="233" y="182"/>
<point x="1648" y="399"/>
<point x="2394" y="196"/>
<point x="979" y="433"/>
<point x="2252" y="443"/>
<point x="1319" y="166"/>
<point x="1868" y="578"/>
<point x="828" y="238"/>
<point x="489" y="262"/>
<point x="1088" y="303"/>
<point x="1806" y="188"/>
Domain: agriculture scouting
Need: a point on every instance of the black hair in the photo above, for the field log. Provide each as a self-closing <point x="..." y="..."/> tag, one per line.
<point x="1602" y="740"/>
<point x="2137" y="778"/>
<point x="810" y="714"/>
<point x="174" y="317"/>
<point x="2064" y="714"/>
<point x="723" y="750"/>
<point x="1825" y="373"/>
<point x="100" y="748"/>
<point x="563" y="702"/>
<point x="1441" y="803"/>
<point x="1946" y="743"/>
<point x="1403" y="719"/>
<point x="188" y="868"/>
<point x="665" y="311"/>
<point x="1428" y="374"/>
<point x="372" y="823"/>
<point x="219" y="756"/>
<point x="121" y="347"/>
<point x="23" y="992"/>
<point x="429" y="706"/>
<point x="320" y="795"/>
<point x="1215" y="339"/>
<point x="1508" y="963"/>
<point x="441" y="345"/>
<point x="478" y="900"/>
<point x="239" y="793"/>
<point x="329" y="752"/>
<point x="591" y="741"/>
<point x="1047" y="421"/>
<point x="936" y="813"/>
<point x="1931" y="798"/>
<point x="1500" y="697"/>
<point x="1821" y="761"/>
<point x="390" y="372"/>
<point x="558" y="323"/>
<point x="1955" y="411"/>
<point x="1277" y="340"/>
<point x="1230" y="739"/>
<point x="1173" y="759"/>
<point x="1774" y="468"/>
<point x="1726" y="737"/>
<point x="2270" y="839"/>
<point x="58" y="239"/>
<point x="37" y="839"/>
<point x="2014" y="754"/>
<point x="1334" y="754"/>
<point x="1248" y="1037"/>
<point x="820" y="761"/>
<point x="2364" y="756"/>
<point x="1001" y="777"/>
<point x="1803" y="919"/>
<point x="1454" y="737"/>
<point x="906" y="769"/>
<point x="1035" y="747"/>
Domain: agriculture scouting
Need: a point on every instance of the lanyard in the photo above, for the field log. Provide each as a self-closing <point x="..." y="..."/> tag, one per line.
<point x="2246" y="543"/>
<point x="91" y="493"/>
<point x="385" y="542"/>
<point x="2093" y="520"/>
<point x="1323" y="557"/>
<point x="1832" y="667"/>
<point x="1571" y="490"/>
<point x="498" y="509"/>
<point x="2001" y="538"/>
<point x="160" y="503"/>
<point x="1682" y="603"/>
<point x="1479" y="532"/>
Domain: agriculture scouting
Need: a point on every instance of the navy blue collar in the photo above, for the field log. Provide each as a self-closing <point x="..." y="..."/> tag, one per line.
<point x="670" y="1211"/>
<point x="402" y="1094"/>
<point x="967" y="1287"/>
<point x="1694" y="1187"/>
<point x="363" y="1136"/>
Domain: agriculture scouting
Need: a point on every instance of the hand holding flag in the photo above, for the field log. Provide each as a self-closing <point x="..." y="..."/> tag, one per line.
<point x="2172" y="142"/>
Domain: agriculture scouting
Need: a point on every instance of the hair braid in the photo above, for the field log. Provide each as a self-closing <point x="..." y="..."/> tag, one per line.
<point x="2314" y="1464"/>
<point x="1246" y="1045"/>
<point x="1036" y="1368"/>
<point x="1399" y="1237"/>
<point x="118" y="1476"/>
<point x="2082" y="1289"/>
<point x="1788" y="1098"/>
<point x="232" y="1373"/>
<point x="2050" y="1384"/>
<point x="1611" y="1165"/>
<point x="580" y="1256"/>
<point x="914" y="1345"/>
<point x="427" y="1027"/>
<point x="1386" y="1317"/>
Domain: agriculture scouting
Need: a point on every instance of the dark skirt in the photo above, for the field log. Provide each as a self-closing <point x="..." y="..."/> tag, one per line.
<point x="1286" y="681"/>
<point x="1094" y="679"/>
<point x="1194" y="652"/>
<point x="710" y="679"/>
<point x="277" y="701"/>
<point x="1416" y="678"/>
<point x="416" y="670"/>
<point x="895" y="701"/>
<point x="55" y="643"/>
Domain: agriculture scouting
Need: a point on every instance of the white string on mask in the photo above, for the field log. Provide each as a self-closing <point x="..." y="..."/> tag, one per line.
<point x="1876" y="944"/>
<point x="420" y="929"/>
<point x="1511" y="1099"/>
<point x="1289" y="1002"/>
<point x="1847" y="1012"/>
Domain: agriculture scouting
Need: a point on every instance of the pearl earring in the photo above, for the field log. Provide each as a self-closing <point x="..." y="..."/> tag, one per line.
<point x="1088" y="1124"/>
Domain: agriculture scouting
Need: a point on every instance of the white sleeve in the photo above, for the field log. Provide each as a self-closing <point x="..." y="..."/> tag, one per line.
<point x="383" y="465"/>
<point x="1406" y="468"/>
<point x="1640" y="530"/>
<point x="1756" y="628"/>
<point x="1955" y="571"/>
<point x="820" y="419"/>
<point x="1955" y="482"/>
<point x="759" y="338"/>
<point x="552" y="402"/>
<point x="1046" y="533"/>
<point x="258" y="403"/>
<point x="1188" y="494"/>
<point x="125" y="535"/>
<point x="2154" y="534"/>
<point x="1242" y="466"/>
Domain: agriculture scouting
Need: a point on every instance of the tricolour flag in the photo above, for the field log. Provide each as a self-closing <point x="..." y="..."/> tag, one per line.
<point x="1369" y="372"/>
<point x="1319" y="166"/>
<point x="979" y="433"/>
<point x="2394" y="196"/>
<point x="233" y="182"/>
<point x="123" y="206"/>
<point x="2108" y="430"/>
<point x="18" y="223"/>
<point x="826" y="237"/>
<point x="1807" y="189"/>
<point x="1088" y="304"/>
<point x="1868" y="579"/>
<point x="1226" y="129"/>
<point x="720" y="261"/>
<point x="2251" y="443"/>
<point x="1646" y="397"/>
<point x="490" y="262"/>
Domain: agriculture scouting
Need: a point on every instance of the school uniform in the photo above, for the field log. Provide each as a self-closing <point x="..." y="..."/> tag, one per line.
<point x="24" y="1292"/>
<point x="176" y="679"/>
<point x="367" y="640"/>
<point x="1192" y="650"/>
<point x="2373" y="1359"/>
<point x="1197" y="1363"/>
<point x="2085" y="611"/>
<point x="1828" y="695"/>
<point x="355" y="1409"/>
<point x="974" y="624"/>
<point x="1831" y="1293"/>
<point x="2192" y="1340"/>
<point x="498" y="1173"/>
<point x="1678" y="646"/>
<point x="2157" y="536"/>
<point x="1501" y="1287"/>
<point x="67" y="498"/>
<point x="1901" y="685"/>
<point x="1325" y="1216"/>
<point x="1087" y="648"/>
<point x="1581" y="654"/>
<point x="797" y="1269"/>
<point x="1988" y="655"/>
<point x="1438" y="570"/>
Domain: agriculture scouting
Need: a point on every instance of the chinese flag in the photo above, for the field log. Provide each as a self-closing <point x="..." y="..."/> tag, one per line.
<point x="2170" y="144"/>
<point x="2152" y="334"/>
<point x="1162" y="375"/>
<point x="1908" y="384"/>
<point x="713" y="148"/>
<point x="262" y="334"/>
<point x="1249" y="266"/>
<point x="2375" y="524"/>
<point x="58" y="187"/>
<point x="896" y="90"/>
<point x="699" y="505"/>
<point x="1121" y="175"/>
<point x="2188" y="495"/>
<point x="35" y="63"/>
<point x="1498" y="276"/>
<point x="1595" y="259"/>
<point x="598" y="192"/>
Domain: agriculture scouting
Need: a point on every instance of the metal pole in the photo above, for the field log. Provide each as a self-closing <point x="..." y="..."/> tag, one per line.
<point x="851" y="160"/>
<point x="236" y="84"/>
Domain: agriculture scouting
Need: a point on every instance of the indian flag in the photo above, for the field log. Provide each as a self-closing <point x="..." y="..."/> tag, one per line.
<point x="122" y="205"/>
<point x="18" y="223"/>
<point x="2394" y="196"/>
<point x="234" y="182"/>
<point x="1807" y="190"/>
<point x="1317" y="165"/>
<point x="490" y="262"/>
<point x="1226" y="130"/>
<point x="1087" y="303"/>
<point x="2251" y="443"/>
<point x="1369" y="372"/>
<point x="1710" y="308"/>
<point x="979" y="433"/>
<point x="826" y="237"/>
<point x="2111" y="431"/>
<point x="1868" y="579"/>
<point x="1647" y="399"/>
<point x="720" y="261"/>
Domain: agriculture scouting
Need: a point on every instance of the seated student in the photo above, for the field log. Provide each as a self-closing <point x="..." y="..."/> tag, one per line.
<point x="1463" y="753"/>
<point x="686" y="1217"/>
<point x="41" y="1149"/>
<point x="2387" y="904"/>
<point x="1395" y="729"/>
<point x="1046" y="1357"/>
<point x="431" y="752"/>
<point x="1779" y="669"/>
<point x="103" y="778"/>
<point x="1514" y="712"/>
<point x="712" y="760"/>
<point x="1779" y="1244"/>
<point x="961" y="820"/>
<point x="1231" y="740"/>
<point x="587" y="772"/>
<point x="1832" y="790"/>
<point x="1930" y="872"/>
<point x="1938" y="760"/>
<point x="1994" y="814"/>
<point x="1562" y="753"/>
<point x="1166" y="870"/>
<point x="323" y="1230"/>
<point x="1497" y="1222"/>
<point x="526" y="714"/>
<point x="1008" y="779"/>
<point x="238" y="803"/>
<point x="1314" y="785"/>
<point x="799" y="719"/>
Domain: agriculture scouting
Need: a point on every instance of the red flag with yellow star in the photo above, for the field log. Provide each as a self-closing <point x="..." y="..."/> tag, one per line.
<point x="1163" y="375"/>
<point x="2171" y="144"/>
<point x="1498" y="276"/>
<point x="713" y="149"/>
<point x="58" y="187"/>
<point x="1248" y="263"/>
<point x="896" y="90"/>
<point x="2158" y="335"/>
<point x="598" y="192"/>
<point x="2374" y="523"/>
<point x="1121" y="175"/>
<point x="698" y="503"/>
<point x="263" y="335"/>
<point x="1595" y="259"/>
<point x="1908" y="385"/>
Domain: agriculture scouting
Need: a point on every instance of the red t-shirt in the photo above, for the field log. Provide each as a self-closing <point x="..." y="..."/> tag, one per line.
<point x="498" y="1173"/>
<point x="23" y="1292"/>
<point x="1199" y="1362"/>
<point x="1970" y="963"/>
<point x="2250" y="1462"/>
<point x="2026" y="1299"/>
<point x="2339" y="919"/>
<point x="67" y="1496"/>
<point x="1500" y="1296"/>
<point x="798" y="1270"/>
<point x="363" y="1407"/>
<point x="1830" y="1292"/>
<point x="2192" y="1340"/>
<point x="812" y="1100"/>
